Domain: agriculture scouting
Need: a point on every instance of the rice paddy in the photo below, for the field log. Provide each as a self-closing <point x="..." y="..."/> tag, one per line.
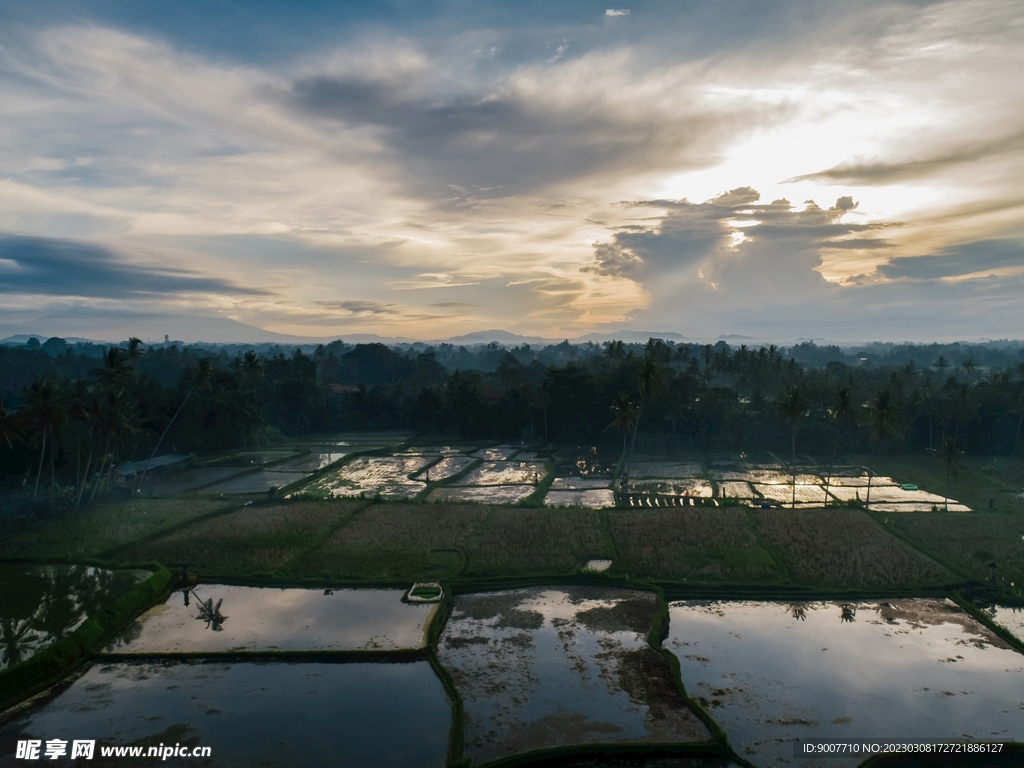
<point x="550" y="667"/>
<point x="899" y="669"/>
<point x="844" y="547"/>
<point x="506" y="473"/>
<point x="969" y="542"/>
<point x="497" y="453"/>
<point x="368" y="476"/>
<point x="267" y="619"/>
<point x="596" y="498"/>
<point x="94" y="530"/>
<point x="259" y="481"/>
<point x="689" y="543"/>
<point x="255" y="539"/>
<point x="447" y="467"/>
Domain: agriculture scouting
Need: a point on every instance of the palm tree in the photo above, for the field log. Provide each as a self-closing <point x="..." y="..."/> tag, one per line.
<point x="950" y="459"/>
<point x="969" y="367"/>
<point x="200" y="379"/>
<point x="624" y="416"/>
<point x="210" y="613"/>
<point x="793" y="406"/>
<point x="648" y="381"/>
<point x="46" y="411"/>
<point x="841" y="412"/>
<point x="15" y="636"/>
<point x="884" y="416"/>
<point x="252" y="372"/>
<point x="941" y="365"/>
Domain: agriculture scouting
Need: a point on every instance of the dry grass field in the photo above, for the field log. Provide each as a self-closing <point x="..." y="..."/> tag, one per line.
<point x="250" y="540"/>
<point x="695" y="543"/>
<point x="90" y="531"/>
<point x="844" y="548"/>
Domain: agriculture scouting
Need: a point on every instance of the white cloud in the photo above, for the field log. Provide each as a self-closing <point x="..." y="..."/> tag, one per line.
<point x="613" y="12"/>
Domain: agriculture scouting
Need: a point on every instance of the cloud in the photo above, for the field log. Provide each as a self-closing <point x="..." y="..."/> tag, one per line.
<point x="614" y="12"/>
<point x="977" y="258"/>
<point x="58" y="267"/>
<point x="361" y="307"/>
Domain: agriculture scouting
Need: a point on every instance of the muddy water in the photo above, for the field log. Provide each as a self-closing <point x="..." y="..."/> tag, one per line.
<point x="265" y="619"/>
<point x="40" y="604"/>
<point x="252" y="713"/>
<point x="771" y="672"/>
<point x="547" y="667"/>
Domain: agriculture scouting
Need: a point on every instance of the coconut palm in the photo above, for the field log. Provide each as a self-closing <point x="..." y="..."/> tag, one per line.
<point x="210" y="613"/>
<point x="842" y="411"/>
<point x="884" y="416"/>
<point x="949" y="458"/>
<point x="793" y="405"/>
<point x="648" y="380"/>
<point x="15" y="637"/>
<point x="46" y="410"/>
<point x="624" y="415"/>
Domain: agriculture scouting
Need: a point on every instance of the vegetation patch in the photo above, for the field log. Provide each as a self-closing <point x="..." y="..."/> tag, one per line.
<point x="844" y="548"/>
<point x="697" y="543"/>
<point x="533" y="541"/>
<point x="250" y="540"/>
<point x="88" y="532"/>
<point x="969" y="541"/>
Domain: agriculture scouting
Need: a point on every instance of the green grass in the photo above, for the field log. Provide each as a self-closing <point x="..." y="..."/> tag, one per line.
<point x="844" y="548"/>
<point x="395" y="542"/>
<point x="88" y="532"/>
<point x="692" y="543"/>
<point x="251" y="540"/>
<point x="968" y="541"/>
<point x="521" y="541"/>
<point x="981" y="478"/>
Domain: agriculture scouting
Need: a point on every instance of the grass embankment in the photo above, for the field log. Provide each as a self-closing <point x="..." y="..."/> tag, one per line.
<point x="979" y="479"/>
<point x="260" y="539"/>
<point x="844" y="548"/>
<point x="689" y="543"/>
<point x="968" y="542"/>
<point x="87" y="533"/>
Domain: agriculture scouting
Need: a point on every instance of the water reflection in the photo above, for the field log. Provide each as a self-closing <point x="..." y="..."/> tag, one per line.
<point x="773" y="672"/>
<point x="279" y="714"/>
<point x="270" y="619"/>
<point x="42" y="604"/>
<point x="547" y="667"/>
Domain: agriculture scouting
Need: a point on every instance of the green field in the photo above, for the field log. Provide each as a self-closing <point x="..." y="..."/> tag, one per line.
<point x="969" y="542"/>
<point x="250" y="540"/>
<point x="979" y="479"/>
<point x="844" y="548"/>
<point x="690" y="543"/>
<point x="93" y="530"/>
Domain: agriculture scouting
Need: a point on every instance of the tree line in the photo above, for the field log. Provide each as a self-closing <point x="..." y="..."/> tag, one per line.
<point x="83" y="413"/>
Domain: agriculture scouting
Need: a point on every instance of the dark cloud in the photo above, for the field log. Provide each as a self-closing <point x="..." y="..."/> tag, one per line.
<point x="357" y="307"/>
<point x="57" y="267"/>
<point x="496" y="141"/>
<point x="880" y="172"/>
<point x="968" y="259"/>
<point x="453" y="304"/>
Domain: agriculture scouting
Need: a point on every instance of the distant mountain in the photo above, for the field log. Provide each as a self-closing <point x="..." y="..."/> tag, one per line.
<point x="624" y="334"/>
<point x="506" y="338"/>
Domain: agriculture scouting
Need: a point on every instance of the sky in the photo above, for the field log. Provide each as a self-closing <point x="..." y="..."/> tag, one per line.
<point x="780" y="170"/>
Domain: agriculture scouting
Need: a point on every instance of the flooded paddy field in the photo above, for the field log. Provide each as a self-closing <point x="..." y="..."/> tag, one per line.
<point x="269" y="619"/>
<point x="772" y="672"/>
<point x="253" y="458"/>
<point x="484" y="494"/>
<point x="593" y="498"/>
<point x="40" y="604"/>
<point x="497" y="452"/>
<point x="281" y="714"/>
<point x="548" y="667"/>
<point x="667" y="470"/>
<point x="576" y="483"/>
<point x="311" y="462"/>
<point x="447" y="467"/>
<point x="694" y="487"/>
<point x="506" y="473"/>
<point x="372" y="475"/>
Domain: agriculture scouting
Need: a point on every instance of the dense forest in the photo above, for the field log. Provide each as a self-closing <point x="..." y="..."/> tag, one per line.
<point x="69" y="413"/>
